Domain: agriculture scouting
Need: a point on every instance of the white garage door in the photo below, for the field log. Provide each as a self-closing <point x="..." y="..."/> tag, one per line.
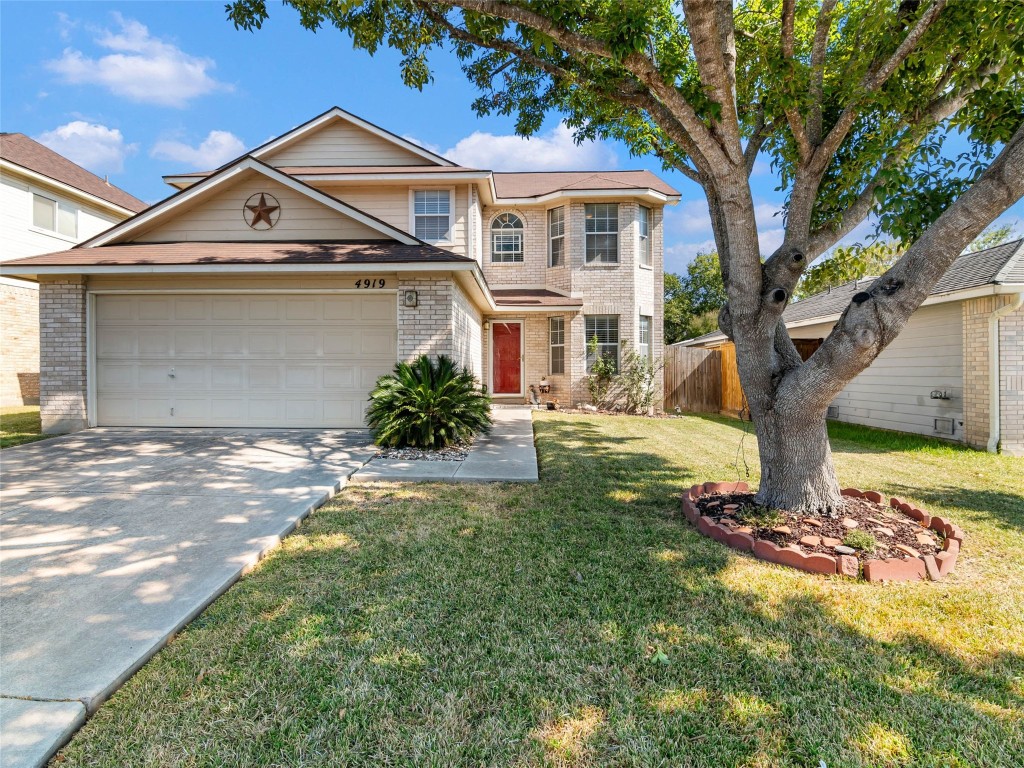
<point x="267" y="360"/>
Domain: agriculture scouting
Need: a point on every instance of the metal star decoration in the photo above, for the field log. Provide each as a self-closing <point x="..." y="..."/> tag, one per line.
<point x="261" y="211"/>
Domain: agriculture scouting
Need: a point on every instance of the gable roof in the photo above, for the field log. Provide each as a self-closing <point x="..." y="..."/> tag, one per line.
<point x="228" y="174"/>
<point x="337" y="113"/>
<point x="20" y="150"/>
<point x="1001" y="265"/>
<point x="538" y="184"/>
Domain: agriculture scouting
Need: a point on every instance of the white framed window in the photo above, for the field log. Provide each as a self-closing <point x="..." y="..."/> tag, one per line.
<point x="432" y="215"/>
<point x="644" y="229"/>
<point x="507" y="238"/>
<point x="602" y="233"/>
<point x="644" y="336"/>
<point x="556" y="341"/>
<point x="53" y="216"/>
<point x="556" y="236"/>
<point x="605" y="329"/>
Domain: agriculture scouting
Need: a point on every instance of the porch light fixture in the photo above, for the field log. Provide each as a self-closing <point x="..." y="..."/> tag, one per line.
<point x="410" y="299"/>
<point x="487" y="325"/>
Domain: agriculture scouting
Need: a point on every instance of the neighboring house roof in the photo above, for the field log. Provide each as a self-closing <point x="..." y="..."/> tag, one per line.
<point x="258" y="252"/>
<point x="538" y="184"/>
<point x="532" y="297"/>
<point x="19" y="149"/>
<point x="1001" y="265"/>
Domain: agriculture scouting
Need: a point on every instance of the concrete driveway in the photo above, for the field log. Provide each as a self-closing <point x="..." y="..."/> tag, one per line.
<point x="112" y="540"/>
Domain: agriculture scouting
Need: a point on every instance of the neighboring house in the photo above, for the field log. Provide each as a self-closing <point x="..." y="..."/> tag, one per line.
<point x="956" y="371"/>
<point x="273" y="291"/>
<point x="47" y="203"/>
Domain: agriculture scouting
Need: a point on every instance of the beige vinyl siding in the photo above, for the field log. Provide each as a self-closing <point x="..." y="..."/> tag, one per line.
<point x="893" y="392"/>
<point x="342" y="143"/>
<point x="390" y="203"/>
<point x="221" y="218"/>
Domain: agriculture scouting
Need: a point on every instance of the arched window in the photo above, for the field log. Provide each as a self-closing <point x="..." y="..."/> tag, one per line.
<point x="507" y="238"/>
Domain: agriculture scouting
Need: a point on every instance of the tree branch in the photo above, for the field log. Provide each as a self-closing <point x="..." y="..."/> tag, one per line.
<point x="876" y="316"/>
<point x="793" y="117"/>
<point x="818" y="49"/>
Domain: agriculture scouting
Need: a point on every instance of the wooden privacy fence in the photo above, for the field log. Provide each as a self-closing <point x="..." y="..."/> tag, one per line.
<point x="693" y="379"/>
<point x="699" y="379"/>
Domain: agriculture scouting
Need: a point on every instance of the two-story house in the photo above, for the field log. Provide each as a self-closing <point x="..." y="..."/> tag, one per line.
<point x="273" y="291"/>
<point x="47" y="203"/>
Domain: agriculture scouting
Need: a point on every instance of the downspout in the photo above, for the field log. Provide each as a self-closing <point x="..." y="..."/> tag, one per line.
<point x="1017" y="300"/>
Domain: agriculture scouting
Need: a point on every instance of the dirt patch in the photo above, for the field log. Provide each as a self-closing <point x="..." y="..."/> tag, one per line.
<point x="455" y="453"/>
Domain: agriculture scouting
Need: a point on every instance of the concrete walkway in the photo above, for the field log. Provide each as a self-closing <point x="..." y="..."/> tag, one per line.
<point x="506" y="454"/>
<point x="113" y="540"/>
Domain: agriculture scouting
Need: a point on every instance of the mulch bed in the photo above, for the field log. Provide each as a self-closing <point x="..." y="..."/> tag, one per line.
<point x="455" y="453"/>
<point x="822" y="534"/>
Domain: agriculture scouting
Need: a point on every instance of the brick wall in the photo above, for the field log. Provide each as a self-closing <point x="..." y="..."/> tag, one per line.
<point x="425" y="329"/>
<point x="467" y="344"/>
<point x="62" y="355"/>
<point x="19" y="345"/>
<point x="976" y="314"/>
<point x="1011" y="384"/>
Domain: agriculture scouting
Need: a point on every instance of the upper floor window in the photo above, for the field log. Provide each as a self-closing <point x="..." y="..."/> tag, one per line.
<point x="602" y="232"/>
<point x="644" y="227"/>
<point x="432" y="215"/>
<point x="54" y="217"/>
<point x="556" y="236"/>
<point x="604" y="330"/>
<point x="507" y="238"/>
<point x="644" y="341"/>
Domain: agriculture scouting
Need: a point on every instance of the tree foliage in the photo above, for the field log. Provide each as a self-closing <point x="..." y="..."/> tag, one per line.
<point x="846" y="264"/>
<point x="992" y="237"/>
<point x="693" y="300"/>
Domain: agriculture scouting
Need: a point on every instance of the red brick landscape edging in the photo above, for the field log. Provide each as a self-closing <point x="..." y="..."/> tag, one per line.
<point x="933" y="567"/>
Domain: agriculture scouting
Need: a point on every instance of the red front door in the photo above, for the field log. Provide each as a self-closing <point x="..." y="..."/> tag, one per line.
<point x="506" y="358"/>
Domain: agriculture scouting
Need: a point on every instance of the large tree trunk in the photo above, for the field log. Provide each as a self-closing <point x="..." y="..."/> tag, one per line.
<point x="797" y="473"/>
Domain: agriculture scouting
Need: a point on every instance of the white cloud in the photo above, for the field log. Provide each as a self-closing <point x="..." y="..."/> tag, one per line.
<point x="92" y="146"/>
<point x="688" y="231"/>
<point x="216" y="149"/>
<point x="552" y="151"/>
<point x="689" y="217"/>
<point x="141" y="67"/>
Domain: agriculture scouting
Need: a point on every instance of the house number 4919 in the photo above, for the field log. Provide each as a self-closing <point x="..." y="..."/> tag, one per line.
<point x="370" y="283"/>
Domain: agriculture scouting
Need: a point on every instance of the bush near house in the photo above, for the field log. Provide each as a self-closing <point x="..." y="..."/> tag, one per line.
<point x="429" y="404"/>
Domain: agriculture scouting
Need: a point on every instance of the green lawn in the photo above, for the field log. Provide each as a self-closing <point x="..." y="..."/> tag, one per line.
<point x="19" y="424"/>
<point x="581" y="621"/>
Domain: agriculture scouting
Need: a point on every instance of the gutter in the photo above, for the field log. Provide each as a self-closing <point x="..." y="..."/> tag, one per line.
<point x="993" y="368"/>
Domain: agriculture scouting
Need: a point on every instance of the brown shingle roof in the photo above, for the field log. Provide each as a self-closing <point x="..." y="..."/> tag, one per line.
<point x="194" y="253"/>
<point x="535" y="297"/>
<point x="537" y="184"/>
<point x="19" y="149"/>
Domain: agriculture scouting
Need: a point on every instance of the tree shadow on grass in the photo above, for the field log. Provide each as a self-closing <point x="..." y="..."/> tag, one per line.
<point x="1003" y="508"/>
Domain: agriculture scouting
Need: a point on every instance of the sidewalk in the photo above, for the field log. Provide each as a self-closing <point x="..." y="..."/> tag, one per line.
<point x="506" y="454"/>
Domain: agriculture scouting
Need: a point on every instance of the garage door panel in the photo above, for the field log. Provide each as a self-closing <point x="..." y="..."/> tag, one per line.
<point x="117" y="342"/>
<point x="253" y="360"/>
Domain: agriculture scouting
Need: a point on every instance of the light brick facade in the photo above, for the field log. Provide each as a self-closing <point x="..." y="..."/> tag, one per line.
<point x="62" y="355"/>
<point x="977" y="368"/>
<point x="626" y="289"/>
<point x="19" y="345"/>
<point x="443" y="322"/>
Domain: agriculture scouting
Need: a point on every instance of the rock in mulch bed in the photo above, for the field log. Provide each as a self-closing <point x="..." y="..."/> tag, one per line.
<point x="455" y="453"/>
<point x="894" y="542"/>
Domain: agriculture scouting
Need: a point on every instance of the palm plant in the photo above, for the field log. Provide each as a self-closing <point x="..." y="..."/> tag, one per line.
<point x="427" y="404"/>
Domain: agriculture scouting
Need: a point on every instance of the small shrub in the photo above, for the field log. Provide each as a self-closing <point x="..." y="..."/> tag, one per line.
<point x="602" y="374"/>
<point x="427" y="405"/>
<point x="860" y="540"/>
<point x="639" y="381"/>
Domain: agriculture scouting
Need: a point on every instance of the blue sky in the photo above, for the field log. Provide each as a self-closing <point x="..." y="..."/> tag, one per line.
<point x="136" y="90"/>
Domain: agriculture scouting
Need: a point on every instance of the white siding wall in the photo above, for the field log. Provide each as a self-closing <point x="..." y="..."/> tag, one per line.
<point x="342" y="143"/>
<point x="467" y="344"/>
<point x="20" y="238"/>
<point x="893" y="393"/>
<point x="221" y="218"/>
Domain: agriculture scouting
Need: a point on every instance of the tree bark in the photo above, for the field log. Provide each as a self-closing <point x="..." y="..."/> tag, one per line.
<point x="797" y="472"/>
